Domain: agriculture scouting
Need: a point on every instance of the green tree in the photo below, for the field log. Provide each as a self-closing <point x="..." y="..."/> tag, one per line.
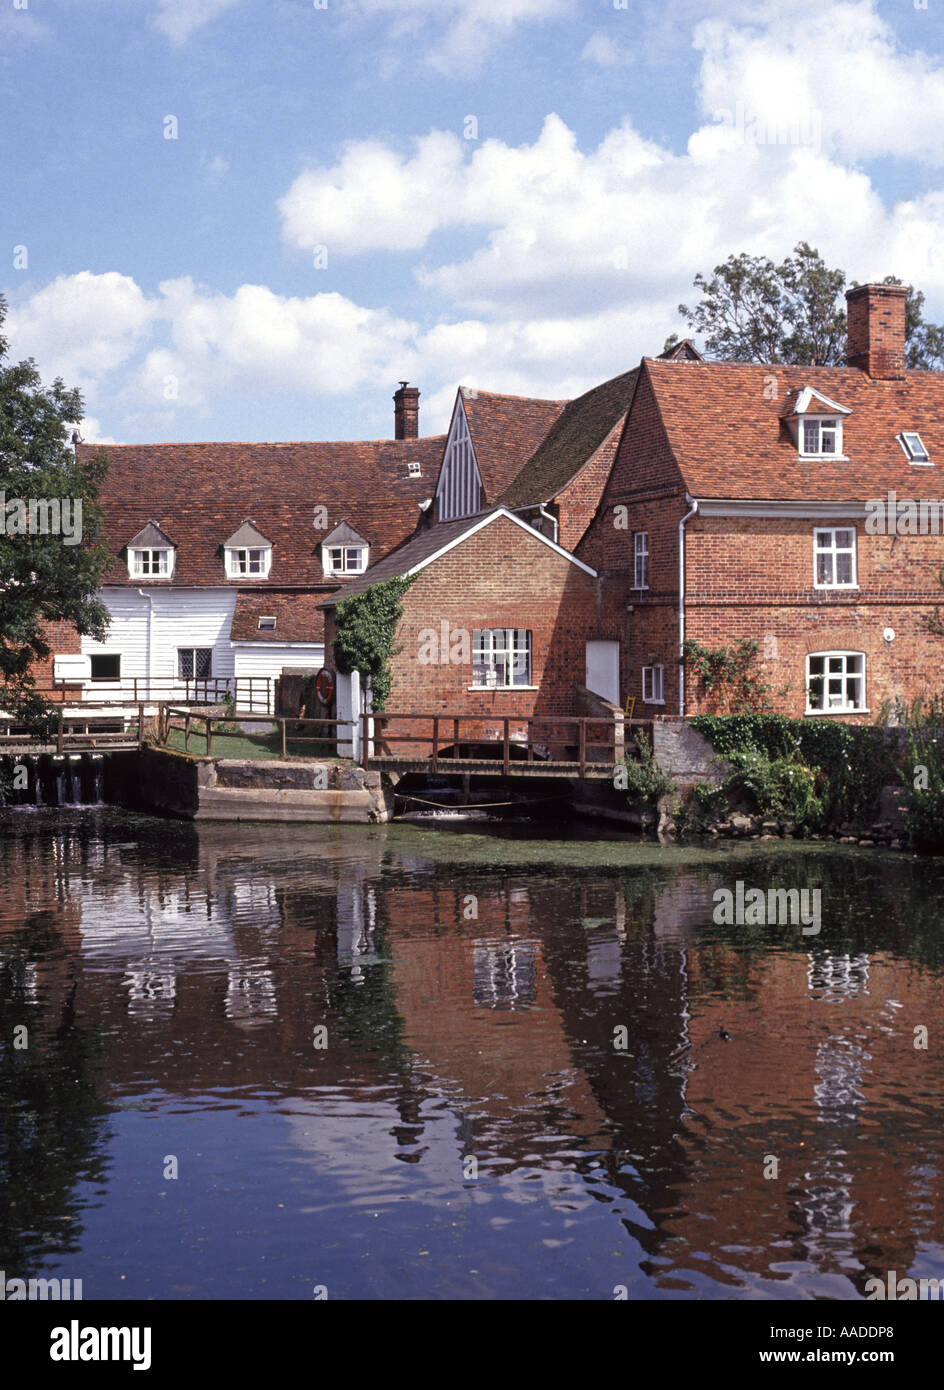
<point x="44" y="577"/>
<point x="753" y="310"/>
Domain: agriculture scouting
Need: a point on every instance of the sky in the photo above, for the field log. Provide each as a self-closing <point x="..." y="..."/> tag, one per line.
<point x="250" y="219"/>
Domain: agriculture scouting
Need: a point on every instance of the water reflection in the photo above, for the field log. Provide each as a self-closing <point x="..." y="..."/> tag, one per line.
<point x="536" y="1081"/>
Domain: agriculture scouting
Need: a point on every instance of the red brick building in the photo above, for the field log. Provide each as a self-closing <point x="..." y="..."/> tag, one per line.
<point x="773" y="503"/>
<point x="494" y="623"/>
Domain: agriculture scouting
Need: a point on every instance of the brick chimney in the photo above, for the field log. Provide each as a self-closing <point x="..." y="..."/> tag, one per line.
<point x="875" y="330"/>
<point x="406" y="412"/>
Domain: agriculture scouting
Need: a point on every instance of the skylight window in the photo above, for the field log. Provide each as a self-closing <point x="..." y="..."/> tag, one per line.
<point x="413" y="468"/>
<point x="266" y="624"/>
<point x="913" y="446"/>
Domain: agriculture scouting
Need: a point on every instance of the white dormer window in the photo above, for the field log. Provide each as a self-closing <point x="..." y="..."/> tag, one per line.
<point x="823" y="437"/>
<point x="151" y="554"/>
<point x="915" y="452"/>
<point x="248" y="562"/>
<point x="247" y="554"/>
<point x="346" y="559"/>
<point x="344" y="551"/>
<point x="816" y="424"/>
<point x="151" y="564"/>
<point x="413" y="468"/>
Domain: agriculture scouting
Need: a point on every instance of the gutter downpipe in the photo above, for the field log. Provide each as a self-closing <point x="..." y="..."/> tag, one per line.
<point x="681" y="532"/>
<point x="553" y="520"/>
<point x="147" y="663"/>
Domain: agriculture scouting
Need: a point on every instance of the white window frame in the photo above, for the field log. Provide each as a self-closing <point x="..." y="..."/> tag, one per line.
<point x="496" y="651"/>
<point x="912" y="458"/>
<point x="347" y="565"/>
<point x="834" y="551"/>
<point x="822" y="422"/>
<point x="654" y="677"/>
<point x="104" y="680"/>
<point x="413" y="469"/>
<point x="268" y="622"/>
<point x="640" y="559"/>
<point x="136" y="562"/>
<point x="842" y="676"/>
<point x="193" y="652"/>
<point x="233" y="567"/>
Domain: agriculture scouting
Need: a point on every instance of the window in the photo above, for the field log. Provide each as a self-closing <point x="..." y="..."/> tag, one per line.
<point x="641" y="560"/>
<point x="251" y="562"/>
<point x="821" y="437"/>
<point x="346" y="559"/>
<point x="413" y="468"/>
<point x="194" y="663"/>
<point x="914" y="448"/>
<point x="106" y="667"/>
<point x="501" y="657"/>
<point x="151" y="564"/>
<point x="653" y="685"/>
<point x="834" y="558"/>
<point x="266" y="624"/>
<point x="835" y="682"/>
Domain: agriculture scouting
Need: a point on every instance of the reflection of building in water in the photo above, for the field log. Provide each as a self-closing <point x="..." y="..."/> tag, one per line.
<point x="838" y="976"/>
<point x="250" y="992"/>
<point x="357" y="921"/>
<point x="503" y="973"/>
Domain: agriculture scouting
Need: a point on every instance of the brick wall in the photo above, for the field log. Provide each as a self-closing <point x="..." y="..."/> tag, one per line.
<point x="754" y="578"/>
<point x="500" y="577"/>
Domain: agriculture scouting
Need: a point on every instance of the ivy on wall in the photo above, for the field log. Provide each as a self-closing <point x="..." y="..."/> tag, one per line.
<point x="365" y="630"/>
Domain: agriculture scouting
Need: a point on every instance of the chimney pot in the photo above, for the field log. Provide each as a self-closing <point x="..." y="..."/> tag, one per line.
<point x="406" y="412"/>
<point x="875" y="330"/>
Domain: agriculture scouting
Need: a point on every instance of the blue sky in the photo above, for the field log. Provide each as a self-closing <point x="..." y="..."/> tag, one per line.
<point x="509" y="194"/>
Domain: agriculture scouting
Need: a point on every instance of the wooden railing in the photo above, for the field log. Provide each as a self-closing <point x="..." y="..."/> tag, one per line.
<point x="446" y="731"/>
<point x="252" y="694"/>
<point x="200" y="724"/>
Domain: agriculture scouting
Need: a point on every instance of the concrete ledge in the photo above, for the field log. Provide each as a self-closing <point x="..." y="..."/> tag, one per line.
<point x="290" y="804"/>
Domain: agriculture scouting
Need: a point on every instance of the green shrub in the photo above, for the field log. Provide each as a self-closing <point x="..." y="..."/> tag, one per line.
<point x="921" y="767"/>
<point x="814" y="771"/>
<point x="643" y="778"/>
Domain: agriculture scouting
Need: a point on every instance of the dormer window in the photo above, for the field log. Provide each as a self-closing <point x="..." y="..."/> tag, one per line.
<point x="247" y="553"/>
<point x="151" y="554"/>
<point x="915" y="452"/>
<point x="822" y="437"/>
<point x="816" y="424"/>
<point x="346" y="559"/>
<point x="344" y="552"/>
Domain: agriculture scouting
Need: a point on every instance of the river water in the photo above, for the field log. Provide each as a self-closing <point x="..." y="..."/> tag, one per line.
<point x="416" y="1061"/>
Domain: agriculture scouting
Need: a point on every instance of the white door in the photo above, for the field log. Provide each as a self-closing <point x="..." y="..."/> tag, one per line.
<point x="603" y="670"/>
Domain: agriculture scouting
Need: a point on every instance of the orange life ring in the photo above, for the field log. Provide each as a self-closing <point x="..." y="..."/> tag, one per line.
<point x="324" y="686"/>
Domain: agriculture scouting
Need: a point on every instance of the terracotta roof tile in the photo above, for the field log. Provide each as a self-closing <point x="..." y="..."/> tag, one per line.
<point x="298" y="617"/>
<point x="505" y="430"/>
<point x="582" y="427"/>
<point x="201" y="493"/>
<point x="723" y="423"/>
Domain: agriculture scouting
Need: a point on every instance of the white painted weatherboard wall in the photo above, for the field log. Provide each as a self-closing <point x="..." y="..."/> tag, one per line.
<point x="182" y="618"/>
<point x="269" y="658"/>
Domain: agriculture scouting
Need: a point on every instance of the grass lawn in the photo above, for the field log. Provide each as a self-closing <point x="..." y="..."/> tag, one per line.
<point x="261" y="746"/>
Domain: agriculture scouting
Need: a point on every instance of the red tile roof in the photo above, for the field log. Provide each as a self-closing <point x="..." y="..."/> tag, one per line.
<point x="506" y="431"/>
<point x="724" y="427"/>
<point x="583" y="427"/>
<point x="298" y="618"/>
<point x="199" y="494"/>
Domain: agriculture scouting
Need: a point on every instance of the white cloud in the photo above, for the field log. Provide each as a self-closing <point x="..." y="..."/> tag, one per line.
<point x="606" y="52"/>
<point x="80" y="327"/>
<point x="839" y="64"/>
<point x="20" y="25"/>
<point x="457" y="37"/>
<point x="178" y="19"/>
<point x="91" y="431"/>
